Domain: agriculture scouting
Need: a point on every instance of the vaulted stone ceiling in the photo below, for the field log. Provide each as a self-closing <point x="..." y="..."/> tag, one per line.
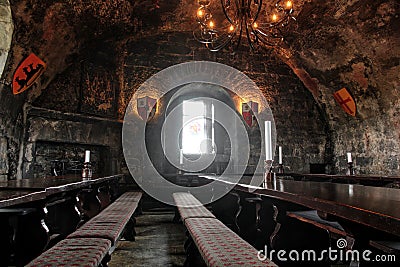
<point x="338" y="43"/>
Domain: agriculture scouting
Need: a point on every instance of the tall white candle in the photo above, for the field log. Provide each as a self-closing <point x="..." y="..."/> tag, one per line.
<point x="87" y="156"/>
<point x="268" y="141"/>
<point x="280" y="155"/>
<point x="181" y="156"/>
<point x="349" y="157"/>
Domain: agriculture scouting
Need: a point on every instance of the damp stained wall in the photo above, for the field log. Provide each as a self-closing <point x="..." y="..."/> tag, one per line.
<point x="352" y="44"/>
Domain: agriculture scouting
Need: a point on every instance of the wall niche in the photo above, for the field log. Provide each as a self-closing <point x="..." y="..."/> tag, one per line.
<point x="58" y="158"/>
<point x="56" y="142"/>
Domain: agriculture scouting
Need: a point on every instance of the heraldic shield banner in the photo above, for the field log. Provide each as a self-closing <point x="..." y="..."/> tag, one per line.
<point x="346" y="101"/>
<point x="27" y="73"/>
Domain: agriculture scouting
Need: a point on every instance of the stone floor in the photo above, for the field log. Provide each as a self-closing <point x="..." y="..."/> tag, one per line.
<point x="159" y="242"/>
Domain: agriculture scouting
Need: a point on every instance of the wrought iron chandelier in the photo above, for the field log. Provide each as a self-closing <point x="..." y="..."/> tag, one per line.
<point x="261" y="22"/>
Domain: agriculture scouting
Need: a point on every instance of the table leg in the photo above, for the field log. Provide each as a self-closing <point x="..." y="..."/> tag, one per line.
<point x="27" y="234"/>
<point x="88" y="204"/>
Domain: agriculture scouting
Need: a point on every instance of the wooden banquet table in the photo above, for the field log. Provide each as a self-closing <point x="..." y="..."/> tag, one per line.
<point x="37" y="212"/>
<point x="376" y="207"/>
<point x="56" y="184"/>
<point x="303" y="216"/>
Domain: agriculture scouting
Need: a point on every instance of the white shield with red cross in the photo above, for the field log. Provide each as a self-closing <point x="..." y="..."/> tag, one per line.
<point x="146" y="107"/>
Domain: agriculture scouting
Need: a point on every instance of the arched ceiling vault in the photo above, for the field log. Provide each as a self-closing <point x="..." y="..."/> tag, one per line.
<point x="336" y="43"/>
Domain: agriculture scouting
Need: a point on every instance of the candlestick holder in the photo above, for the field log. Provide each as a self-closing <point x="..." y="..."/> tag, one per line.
<point x="267" y="172"/>
<point x="87" y="171"/>
<point x="350" y="169"/>
<point x="280" y="168"/>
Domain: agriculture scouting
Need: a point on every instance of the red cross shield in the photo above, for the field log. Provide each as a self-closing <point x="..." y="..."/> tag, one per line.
<point x="346" y="101"/>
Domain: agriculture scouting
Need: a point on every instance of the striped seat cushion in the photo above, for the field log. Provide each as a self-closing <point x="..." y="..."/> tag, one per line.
<point x="110" y="228"/>
<point x="118" y="207"/>
<point x="85" y="252"/>
<point x="219" y="246"/>
<point x="110" y="223"/>
<point x="195" y="212"/>
<point x="183" y="199"/>
<point x="190" y="207"/>
<point x="130" y="196"/>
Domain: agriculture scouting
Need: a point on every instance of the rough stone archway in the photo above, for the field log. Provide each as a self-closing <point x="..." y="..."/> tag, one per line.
<point x="6" y="31"/>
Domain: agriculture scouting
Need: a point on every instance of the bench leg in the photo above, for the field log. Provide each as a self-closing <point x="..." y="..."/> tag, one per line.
<point x="177" y="217"/>
<point x="105" y="261"/>
<point x="88" y="205"/>
<point x="18" y="230"/>
<point x="193" y="257"/>
<point x="188" y="241"/>
<point x="189" y="251"/>
<point x="130" y="233"/>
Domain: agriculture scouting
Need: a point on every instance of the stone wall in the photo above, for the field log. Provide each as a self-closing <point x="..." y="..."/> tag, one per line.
<point x="52" y="135"/>
<point x="335" y="44"/>
<point x="355" y="44"/>
<point x="11" y="121"/>
<point x="301" y="126"/>
<point x="6" y="30"/>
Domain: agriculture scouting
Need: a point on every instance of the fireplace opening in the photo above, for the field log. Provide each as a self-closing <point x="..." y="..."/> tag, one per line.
<point x="57" y="158"/>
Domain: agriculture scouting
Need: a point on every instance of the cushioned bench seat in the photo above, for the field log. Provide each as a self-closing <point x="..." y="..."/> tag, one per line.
<point x="85" y="252"/>
<point x="109" y="230"/>
<point x="184" y="199"/>
<point x="88" y="245"/>
<point x="220" y="246"/>
<point x="133" y="196"/>
<point x="217" y="244"/>
<point x="190" y="207"/>
<point x="111" y="222"/>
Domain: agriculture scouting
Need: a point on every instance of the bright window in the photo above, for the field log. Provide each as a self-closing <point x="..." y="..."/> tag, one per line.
<point x="197" y="132"/>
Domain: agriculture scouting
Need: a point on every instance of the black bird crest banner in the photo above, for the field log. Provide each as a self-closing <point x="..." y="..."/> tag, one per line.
<point x="27" y="73"/>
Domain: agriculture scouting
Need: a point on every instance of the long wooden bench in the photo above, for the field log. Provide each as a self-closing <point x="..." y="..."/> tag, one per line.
<point x="217" y="244"/>
<point x="93" y="242"/>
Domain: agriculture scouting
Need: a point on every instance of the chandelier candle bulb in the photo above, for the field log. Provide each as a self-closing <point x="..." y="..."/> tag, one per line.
<point x="264" y="22"/>
<point x="280" y="155"/>
<point x="87" y="156"/>
<point x="268" y="141"/>
<point x="204" y="2"/>
<point x="349" y="159"/>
